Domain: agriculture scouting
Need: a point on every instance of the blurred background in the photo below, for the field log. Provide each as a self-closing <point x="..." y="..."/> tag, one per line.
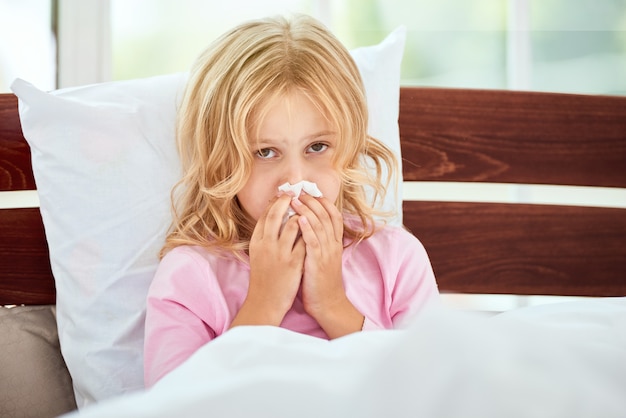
<point x="548" y="45"/>
<point x="571" y="46"/>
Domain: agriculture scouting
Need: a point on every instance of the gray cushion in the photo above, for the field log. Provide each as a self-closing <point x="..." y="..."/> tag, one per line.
<point x="34" y="381"/>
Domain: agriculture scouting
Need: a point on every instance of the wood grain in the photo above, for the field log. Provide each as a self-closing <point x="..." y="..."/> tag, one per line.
<point x="25" y="273"/>
<point x="513" y="137"/>
<point x="15" y="163"/>
<point x="523" y="249"/>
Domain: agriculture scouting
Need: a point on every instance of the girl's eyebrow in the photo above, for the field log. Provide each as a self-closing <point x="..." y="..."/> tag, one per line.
<point x="322" y="133"/>
<point x="303" y="139"/>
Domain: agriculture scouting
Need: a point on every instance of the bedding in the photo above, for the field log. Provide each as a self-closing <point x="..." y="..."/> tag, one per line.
<point x="104" y="161"/>
<point x="560" y="360"/>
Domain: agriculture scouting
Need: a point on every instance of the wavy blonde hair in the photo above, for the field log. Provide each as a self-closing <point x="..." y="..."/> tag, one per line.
<point x="228" y="85"/>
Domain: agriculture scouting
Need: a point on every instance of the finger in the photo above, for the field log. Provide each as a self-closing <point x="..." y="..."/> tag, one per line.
<point x="257" y="233"/>
<point x="327" y="213"/>
<point x="309" y="236"/>
<point x="290" y="231"/>
<point x="273" y="219"/>
<point x="309" y="208"/>
<point x="299" y="248"/>
<point x="314" y="205"/>
<point x="335" y="217"/>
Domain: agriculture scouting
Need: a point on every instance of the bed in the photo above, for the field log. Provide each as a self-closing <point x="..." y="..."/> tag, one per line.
<point x="565" y="359"/>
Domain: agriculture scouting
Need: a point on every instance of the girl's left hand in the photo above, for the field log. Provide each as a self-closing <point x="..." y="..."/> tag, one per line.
<point x="323" y="293"/>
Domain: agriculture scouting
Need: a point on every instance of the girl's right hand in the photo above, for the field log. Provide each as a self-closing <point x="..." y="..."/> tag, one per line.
<point x="276" y="264"/>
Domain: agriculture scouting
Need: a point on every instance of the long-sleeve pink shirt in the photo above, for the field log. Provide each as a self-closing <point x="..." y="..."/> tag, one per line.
<point x="196" y="294"/>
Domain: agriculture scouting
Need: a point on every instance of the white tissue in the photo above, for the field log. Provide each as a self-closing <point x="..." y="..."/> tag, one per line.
<point x="308" y="187"/>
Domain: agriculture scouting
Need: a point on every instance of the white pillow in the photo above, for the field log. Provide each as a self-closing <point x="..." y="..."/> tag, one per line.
<point x="104" y="160"/>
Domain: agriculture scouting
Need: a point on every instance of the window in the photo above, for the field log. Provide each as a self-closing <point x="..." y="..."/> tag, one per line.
<point x="547" y="45"/>
<point x="578" y="48"/>
<point x="449" y="42"/>
<point x="520" y="44"/>
<point x="27" y="43"/>
<point x="151" y="37"/>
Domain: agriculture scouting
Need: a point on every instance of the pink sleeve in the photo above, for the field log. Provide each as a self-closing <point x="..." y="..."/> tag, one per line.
<point x="415" y="287"/>
<point x="409" y="279"/>
<point x="178" y="310"/>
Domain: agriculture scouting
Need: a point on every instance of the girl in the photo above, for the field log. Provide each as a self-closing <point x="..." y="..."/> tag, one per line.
<point x="273" y="102"/>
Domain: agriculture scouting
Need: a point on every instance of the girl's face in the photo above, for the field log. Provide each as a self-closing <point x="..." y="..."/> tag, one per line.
<point x="293" y="142"/>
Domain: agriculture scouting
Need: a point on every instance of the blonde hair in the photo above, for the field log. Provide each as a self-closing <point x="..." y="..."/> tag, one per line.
<point x="228" y="85"/>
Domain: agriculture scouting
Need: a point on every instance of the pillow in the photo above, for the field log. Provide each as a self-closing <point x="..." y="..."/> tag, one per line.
<point x="34" y="381"/>
<point x="105" y="160"/>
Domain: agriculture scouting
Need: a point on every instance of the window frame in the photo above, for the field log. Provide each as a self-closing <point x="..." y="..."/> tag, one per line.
<point x="83" y="31"/>
<point x="85" y="53"/>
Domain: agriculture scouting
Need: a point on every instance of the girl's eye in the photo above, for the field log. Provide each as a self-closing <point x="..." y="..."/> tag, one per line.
<point x="265" y="153"/>
<point x="318" y="147"/>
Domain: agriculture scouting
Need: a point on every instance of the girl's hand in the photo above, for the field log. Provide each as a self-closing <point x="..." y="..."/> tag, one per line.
<point x="276" y="263"/>
<point x="323" y="294"/>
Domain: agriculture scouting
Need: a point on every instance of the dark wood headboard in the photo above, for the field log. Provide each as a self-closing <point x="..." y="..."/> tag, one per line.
<point x="518" y="137"/>
<point x="449" y="135"/>
<point x="25" y="274"/>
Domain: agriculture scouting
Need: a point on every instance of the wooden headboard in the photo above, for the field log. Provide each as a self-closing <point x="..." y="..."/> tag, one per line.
<point x="447" y="135"/>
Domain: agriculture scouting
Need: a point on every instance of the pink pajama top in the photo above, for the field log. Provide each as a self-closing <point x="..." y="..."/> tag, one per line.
<point x="196" y="294"/>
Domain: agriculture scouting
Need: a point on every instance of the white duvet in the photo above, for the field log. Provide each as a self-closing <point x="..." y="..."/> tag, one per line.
<point x="560" y="360"/>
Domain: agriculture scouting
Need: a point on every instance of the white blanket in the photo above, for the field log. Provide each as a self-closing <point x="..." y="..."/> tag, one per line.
<point x="561" y="360"/>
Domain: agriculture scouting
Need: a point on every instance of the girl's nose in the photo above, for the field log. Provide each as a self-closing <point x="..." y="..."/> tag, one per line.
<point x="295" y="171"/>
